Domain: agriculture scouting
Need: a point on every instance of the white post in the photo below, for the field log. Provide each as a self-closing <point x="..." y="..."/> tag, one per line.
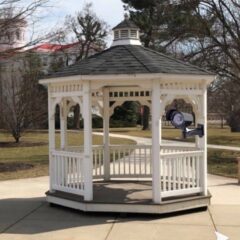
<point x="63" y="124"/>
<point x="51" y="136"/>
<point x="156" y="178"/>
<point x="88" y="164"/>
<point x="106" y="139"/>
<point x="203" y="141"/>
<point x="197" y="114"/>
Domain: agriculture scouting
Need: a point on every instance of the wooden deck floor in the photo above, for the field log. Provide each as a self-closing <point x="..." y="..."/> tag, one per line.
<point x="127" y="196"/>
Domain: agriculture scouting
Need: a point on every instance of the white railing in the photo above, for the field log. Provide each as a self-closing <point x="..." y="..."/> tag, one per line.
<point x="98" y="162"/>
<point x="97" y="157"/>
<point x="180" y="167"/>
<point x="181" y="173"/>
<point x="67" y="172"/>
<point x="130" y="161"/>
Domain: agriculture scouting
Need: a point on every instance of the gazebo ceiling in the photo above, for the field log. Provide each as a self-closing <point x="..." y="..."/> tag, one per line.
<point x="129" y="59"/>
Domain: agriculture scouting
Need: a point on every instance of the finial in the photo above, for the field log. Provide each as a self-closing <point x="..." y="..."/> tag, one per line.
<point x="126" y="16"/>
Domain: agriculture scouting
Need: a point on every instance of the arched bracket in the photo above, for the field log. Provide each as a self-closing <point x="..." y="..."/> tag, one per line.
<point x="116" y="104"/>
<point x="98" y="105"/>
<point x="54" y="103"/>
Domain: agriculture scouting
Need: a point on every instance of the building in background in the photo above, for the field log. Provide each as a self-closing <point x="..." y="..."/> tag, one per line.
<point x="54" y="56"/>
<point x="13" y="36"/>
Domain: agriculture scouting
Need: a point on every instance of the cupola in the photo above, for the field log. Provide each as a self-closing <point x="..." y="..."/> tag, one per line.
<point x="126" y="33"/>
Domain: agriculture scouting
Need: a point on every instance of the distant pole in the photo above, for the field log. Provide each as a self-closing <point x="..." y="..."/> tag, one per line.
<point x="238" y="160"/>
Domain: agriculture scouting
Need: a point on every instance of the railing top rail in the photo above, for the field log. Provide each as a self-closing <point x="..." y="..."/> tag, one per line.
<point x="180" y="154"/>
<point x="130" y="146"/>
<point x="67" y="154"/>
<point x="176" y="146"/>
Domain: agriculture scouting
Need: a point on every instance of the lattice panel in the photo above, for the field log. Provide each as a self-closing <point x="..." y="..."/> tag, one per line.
<point x="181" y="86"/>
<point x="61" y="88"/>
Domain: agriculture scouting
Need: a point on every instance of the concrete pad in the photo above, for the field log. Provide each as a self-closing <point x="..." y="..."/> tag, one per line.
<point x="60" y="224"/>
<point x="60" y="230"/>
<point x="232" y="232"/>
<point x="192" y="218"/>
<point x="136" y="231"/>
<point x="73" y="232"/>
<point x="24" y="188"/>
<point x="226" y="215"/>
<point x="12" y="210"/>
<point x="224" y="190"/>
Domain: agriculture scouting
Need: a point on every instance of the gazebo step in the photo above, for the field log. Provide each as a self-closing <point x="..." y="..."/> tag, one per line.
<point x="127" y="197"/>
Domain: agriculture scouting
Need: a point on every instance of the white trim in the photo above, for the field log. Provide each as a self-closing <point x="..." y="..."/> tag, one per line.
<point x="181" y="192"/>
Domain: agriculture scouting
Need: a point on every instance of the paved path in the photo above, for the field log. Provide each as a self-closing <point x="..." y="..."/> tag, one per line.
<point x="148" y="141"/>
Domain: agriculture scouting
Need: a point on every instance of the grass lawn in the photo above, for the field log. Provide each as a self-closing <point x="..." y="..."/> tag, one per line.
<point x="222" y="162"/>
<point x="30" y="157"/>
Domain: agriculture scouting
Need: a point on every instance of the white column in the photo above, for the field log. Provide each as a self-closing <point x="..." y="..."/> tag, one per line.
<point x="106" y="139"/>
<point x="88" y="164"/>
<point x="160" y="131"/>
<point x="63" y="124"/>
<point x="156" y="178"/>
<point x="51" y="136"/>
<point x="202" y="142"/>
<point x="160" y="123"/>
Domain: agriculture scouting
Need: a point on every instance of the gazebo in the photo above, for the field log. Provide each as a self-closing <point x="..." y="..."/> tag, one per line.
<point x="146" y="178"/>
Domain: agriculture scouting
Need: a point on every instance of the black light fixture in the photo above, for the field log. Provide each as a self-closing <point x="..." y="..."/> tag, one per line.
<point x="182" y="120"/>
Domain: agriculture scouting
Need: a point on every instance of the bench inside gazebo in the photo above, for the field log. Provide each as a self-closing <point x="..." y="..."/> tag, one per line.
<point x="147" y="178"/>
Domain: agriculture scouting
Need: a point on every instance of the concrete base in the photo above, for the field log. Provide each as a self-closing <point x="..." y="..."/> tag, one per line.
<point x="127" y="197"/>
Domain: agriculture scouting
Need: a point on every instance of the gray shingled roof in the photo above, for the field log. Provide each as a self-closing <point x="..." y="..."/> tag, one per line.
<point x="126" y="23"/>
<point x="129" y="59"/>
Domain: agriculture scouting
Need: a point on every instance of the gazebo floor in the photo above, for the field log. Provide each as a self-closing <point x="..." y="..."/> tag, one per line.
<point x="127" y="196"/>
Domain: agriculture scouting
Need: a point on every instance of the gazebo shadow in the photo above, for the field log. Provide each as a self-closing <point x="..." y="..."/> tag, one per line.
<point x="34" y="216"/>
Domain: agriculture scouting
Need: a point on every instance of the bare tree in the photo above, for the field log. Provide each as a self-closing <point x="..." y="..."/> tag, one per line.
<point x="215" y="44"/>
<point x="88" y="29"/>
<point x="24" y="101"/>
<point x="91" y="32"/>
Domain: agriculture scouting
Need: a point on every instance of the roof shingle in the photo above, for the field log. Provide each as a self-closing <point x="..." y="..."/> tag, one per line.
<point x="129" y="59"/>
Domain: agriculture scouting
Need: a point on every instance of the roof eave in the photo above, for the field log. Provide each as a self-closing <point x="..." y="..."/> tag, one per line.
<point x="207" y="78"/>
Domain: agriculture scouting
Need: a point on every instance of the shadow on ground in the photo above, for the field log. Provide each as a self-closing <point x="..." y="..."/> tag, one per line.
<point x="35" y="215"/>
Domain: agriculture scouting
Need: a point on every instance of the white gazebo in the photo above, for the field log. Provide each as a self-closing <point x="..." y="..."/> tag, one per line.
<point x="156" y="178"/>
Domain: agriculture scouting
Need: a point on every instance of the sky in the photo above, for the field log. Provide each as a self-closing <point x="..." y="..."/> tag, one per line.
<point x="111" y="11"/>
